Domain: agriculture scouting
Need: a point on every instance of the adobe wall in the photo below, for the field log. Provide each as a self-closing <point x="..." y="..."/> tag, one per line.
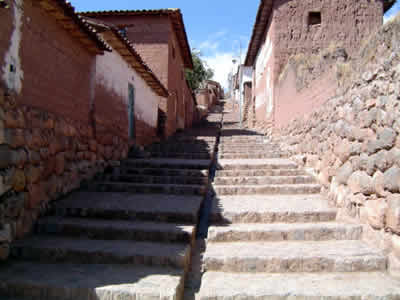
<point x="176" y="85"/>
<point x="113" y="75"/>
<point x="264" y="76"/>
<point x="150" y="37"/>
<point x="345" y="23"/>
<point x="352" y="143"/>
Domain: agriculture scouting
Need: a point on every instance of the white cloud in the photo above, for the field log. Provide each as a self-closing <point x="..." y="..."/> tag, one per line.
<point x="209" y="45"/>
<point x="221" y="63"/>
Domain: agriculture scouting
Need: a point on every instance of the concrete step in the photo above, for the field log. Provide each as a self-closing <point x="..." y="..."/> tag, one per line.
<point x="260" y="172"/>
<point x="286" y="257"/>
<point x="138" y="188"/>
<point x="271" y="189"/>
<point x="151" y="179"/>
<point x="165" y="172"/>
<point x="267" y="154"/>
<point x="271" y="209"/>
<point x="255" y="164"/>
<point x="344" y="286"/>
<point x="48" y="248"/>
<point x="116" y="229"/>
<point x="168" y="163"/>
<point x="181" y="155"/>
<point x="151" y="207"/>
<point x="36" y="281"/>
<point x="263" y="180"/>
<point x="284" y="232"/>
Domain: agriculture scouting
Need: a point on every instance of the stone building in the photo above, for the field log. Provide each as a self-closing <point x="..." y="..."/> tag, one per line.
<point x="160" y="38"/>
<point x="72" y="101"/>
<point x="285" y="28"/>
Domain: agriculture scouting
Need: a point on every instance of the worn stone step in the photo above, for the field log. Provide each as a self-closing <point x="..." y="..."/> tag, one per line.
<point x="267" y="154"/>
<point x="328" y="286"/>
<point x="284" y="232"/>
<point x="174" y="189"/>
<point x="48" y="248"/>
<point x="284" y="257"/>
<point x="263" y="180"/>
<point x="165" y="172"/>
<point x="36" y="281"/>
<point x="168" y="163"/>
<point x="181" y="155"/>
<point x="271" y="209"/>
<point x="271" y="189"/>
<point x="116" y="229"/>
<point x="151" y="207"/>
<point x="151" y="179"/>
<point x="255" y="164"/>
<point x="260" y="172"/>
<point x="247" y="150"/>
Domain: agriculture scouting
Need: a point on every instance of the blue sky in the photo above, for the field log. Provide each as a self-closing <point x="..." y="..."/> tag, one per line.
<point x="217" y="28"/>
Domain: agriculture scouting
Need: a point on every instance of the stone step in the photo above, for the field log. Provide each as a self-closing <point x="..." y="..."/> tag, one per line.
<point x="255" y="164"/>
<point x="286" y="257"/>
<point x="151" y="179"/>
<point x="267" y="154"/>
<point x="48" y="248"/>
<point x="181" y="148"/>
<point x="271" y="209"/>
<point x="116" y="229"/>
<point x="246" y="150"/>
<point x="172" y="189"/>
<point x="271" y="189"/>
<point x="343" y="286"/>
<point x="151" y="207"/>
<point x="37" y="281"/>
<point x="263" y="180"/>
<point x="284" y="232"/>
<point x="260" y="172"/>
<point x="168" y="163"/>
<point x="165" y="172"/>
<point x="181" y="155"/>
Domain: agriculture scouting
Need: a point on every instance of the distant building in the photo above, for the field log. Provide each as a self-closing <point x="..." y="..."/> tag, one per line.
<point x="160" y="38"/>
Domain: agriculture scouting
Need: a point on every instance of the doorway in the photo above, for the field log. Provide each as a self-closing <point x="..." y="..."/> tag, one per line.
<point x="131" y="111"/>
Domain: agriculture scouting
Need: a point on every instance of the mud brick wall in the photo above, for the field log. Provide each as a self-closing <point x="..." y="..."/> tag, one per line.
<point x="352" y="142"/>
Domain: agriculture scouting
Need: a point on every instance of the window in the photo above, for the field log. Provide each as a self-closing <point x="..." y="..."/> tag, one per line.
<point x="173" y="52"/>
<point x="123" y="32"/>
<point x="314" y="18"/>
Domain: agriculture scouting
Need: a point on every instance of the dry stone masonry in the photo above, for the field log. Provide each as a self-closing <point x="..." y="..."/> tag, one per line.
<point x="353" y="142"/>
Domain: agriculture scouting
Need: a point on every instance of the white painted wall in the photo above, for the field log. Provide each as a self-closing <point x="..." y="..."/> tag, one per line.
<point x="111" y="68"/>
<point x="15" y="78"/>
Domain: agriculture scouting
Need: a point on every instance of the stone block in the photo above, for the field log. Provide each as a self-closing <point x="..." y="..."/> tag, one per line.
<point x="344" y="173"/>
<point x="34" y="174"/>
<point x="60" y="163"/>
<point x="376" y="212"/>
<point x="15" y="138"/>
<point x="393" y="213"/>
<point x="361" y="182"/>
<point x="379" y="184"/>
<point x="37" y="195"/>
<point x="6" y="234"/>
<point x="387" y="138"/>
<point x="392" y="180"/>
<point x="19" y="180"/>
<point x="6" y="157"/>
<point x="4" y="251"/>
<point x="396" y="245"/>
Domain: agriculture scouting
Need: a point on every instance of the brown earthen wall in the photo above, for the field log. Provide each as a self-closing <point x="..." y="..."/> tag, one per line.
<point x="344" y="23"/>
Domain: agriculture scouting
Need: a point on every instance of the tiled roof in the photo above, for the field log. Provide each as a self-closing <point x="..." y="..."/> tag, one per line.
<point x="125" y="48"/>
<point x="176" y="19"/>
<point x="65" y="15"/>
<point x="263" y="14"/>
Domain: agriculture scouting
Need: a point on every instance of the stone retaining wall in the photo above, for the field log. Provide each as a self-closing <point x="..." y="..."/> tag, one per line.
<point x="42" y="157"/>
<point x="352" y="142"/>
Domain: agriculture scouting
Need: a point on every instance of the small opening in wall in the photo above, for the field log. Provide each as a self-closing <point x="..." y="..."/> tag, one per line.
<point x="314" y="18"/>
<point x="3" y="4"/>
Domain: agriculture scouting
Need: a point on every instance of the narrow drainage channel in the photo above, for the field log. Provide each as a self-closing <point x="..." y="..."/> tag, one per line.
<point x="206" y="206"/>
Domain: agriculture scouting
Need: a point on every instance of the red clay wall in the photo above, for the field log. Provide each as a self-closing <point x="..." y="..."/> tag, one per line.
<point x="292" y="103"/>
<point x="345" y="23"/>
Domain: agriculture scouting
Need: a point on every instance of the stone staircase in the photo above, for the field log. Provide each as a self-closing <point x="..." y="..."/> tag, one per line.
<point x="273" y="235"/>
<point x="128" y="234"/>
